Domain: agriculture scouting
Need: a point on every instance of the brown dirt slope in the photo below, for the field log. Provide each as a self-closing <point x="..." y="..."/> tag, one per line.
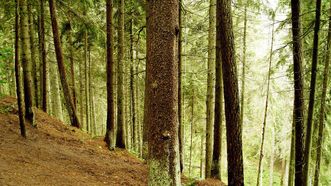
<point x="56" y="154"/>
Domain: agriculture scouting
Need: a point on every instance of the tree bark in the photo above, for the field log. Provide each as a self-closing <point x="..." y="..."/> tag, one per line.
<point x="322" y="108"/>
<point x="72" y="63"/>
<point x="110" y="131"/>
<point x="312" y="93"/>
<point x="162" y="92"/>
<point x="18" y="73"/>
<point x="26" y="62"/>
<point x="120" y="135"/>
<point x="298" y="93"/>
<point x="86" y="96"/>
<point x="243" y="75"/>
<point x="191" y="130"/>
<point x="43" y="57"/>
<point x="210" y="87"/>
<point x="59" y="57"/>
<point x="231" y="93"/>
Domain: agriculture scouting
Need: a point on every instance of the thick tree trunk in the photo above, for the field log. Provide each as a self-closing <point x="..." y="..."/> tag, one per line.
<point x="312" y="94"/>
<point x="210" y="87"/>
<point x="266" y="103"/>
<point x="298" y="93"/>
<point x="110" y="131"/>
<point x="43" y="58"/>
<point x="18" y="73"/>
<point x="26" y="62"/>
<point x="231" y="93"/>
<point x="59" y="57"/>
<point x="33" y="54"/>
<point x="162" y="92"/>
<point x="322" y="109"/>
<point x="120" y="135"/>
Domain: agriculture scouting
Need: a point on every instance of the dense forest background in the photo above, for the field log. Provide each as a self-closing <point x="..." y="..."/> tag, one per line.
<point x="263" y="45"/>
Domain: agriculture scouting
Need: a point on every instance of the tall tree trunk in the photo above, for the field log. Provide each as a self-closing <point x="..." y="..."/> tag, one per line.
<point x="26" y="62"/>
<point x="72" y="64"/>
<point x="322" y="108"/>
<point x="191" y="130"/>
<point x="33" y="60"/>
<point x="92" y="124"/>
<point x="120" y="135"/>
<point x="132" y="90"/>
<point x="56" y="94"/>
<point x="210" y="87"/>
<point x="86" y="80"/>
<point x="298" y="93"/>
<point x="201" y="155"/>
<point x="43" y="58"/>
<point x="243" y="74"/>
<point x="162" y="92"/>
<point x="110" y="131"/>
<point x="292" y="156"/>
<point x="312" y="93"/>
<point x="266" y="102"/>
<point x="231" y="93"/>
<point x="59" y="57"/>
<point x="18" y="73"/>
<point x="180" y="128"/>
<point x="218" y="117"/>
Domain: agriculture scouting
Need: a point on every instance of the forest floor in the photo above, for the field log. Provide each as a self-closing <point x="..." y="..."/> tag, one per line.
<point x="57" y="154"/>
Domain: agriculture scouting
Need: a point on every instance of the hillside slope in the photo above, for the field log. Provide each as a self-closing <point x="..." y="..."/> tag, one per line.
<point x="56" y="154"/>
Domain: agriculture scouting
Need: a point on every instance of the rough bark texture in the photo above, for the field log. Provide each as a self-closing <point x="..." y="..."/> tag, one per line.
<point x="33" y="55"/>
<point x="43" y="57"/>
<point x="26" y="61"/>
<point x="218" y="117"/>
<point x="162" y="92"/>
<point x="298" y="93"/>
<point x="231" y="94"/>
<point x="18" y="74"/>
<point x="110" y="135"/>
<point x="312" y="93"/>
<point x="59" y="58"/>
<point x="120" y="135"/>
<point x="210" y="87"/>
<point x="322" y="109"/>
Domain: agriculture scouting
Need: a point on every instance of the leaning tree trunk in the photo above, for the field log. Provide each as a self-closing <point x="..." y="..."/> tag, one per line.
<point x="26" y="62"/>
<point x="312" y="94"/>
<point x="59" y="57"/>
<point x="162" y="92"/>
<point x="18" y="73"/>
<point x="120" y="135"/>
<point x="298" y="93"/>
<point x="110" y="132"/>
<point x="266" y="104"/>
<point x="231" y="93"/>
<point x="322" y="109"/>
<point x="210" y="87"/>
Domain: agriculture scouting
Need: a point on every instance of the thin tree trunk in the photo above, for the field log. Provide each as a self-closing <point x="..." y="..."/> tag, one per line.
<point x="210" y="87"/>
<point x="120" y="135"/>
<point x="132" y="91"/>
<point x="56" y="94"/>
<point x="201" y="155"/>
<point x="322" y="108"/>
<point x="26" y="62"/>
<point x="180" y="128"/>
<point x="271" y="175"/>
<point x="298" y="93"/>
<point x="72" y="64"/>
<point x="292" y="156"/>
<point x="231" y="93"/>
<point x="191" y="131"/>
<point x="312" y="94"/>
<point x="59" y="56"/>
<point x="243" y="75"/>
<point x="18" y="73"/>
<point x="283" y="171"/>
<point x="90" y="92"/>
<point x="266" y="102"/>
<point x="110" y="131"/>
<point x="43" y="58"/>
<point x="162" y="92"/>
<point x="86" y="80"/>
<point x="32" y="49"/>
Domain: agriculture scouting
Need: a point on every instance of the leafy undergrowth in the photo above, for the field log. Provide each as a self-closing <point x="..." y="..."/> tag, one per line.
<point x="57" y="154"/>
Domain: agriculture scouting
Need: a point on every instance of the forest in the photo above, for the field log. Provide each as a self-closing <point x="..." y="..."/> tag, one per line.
<point x="165" y="92"/>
